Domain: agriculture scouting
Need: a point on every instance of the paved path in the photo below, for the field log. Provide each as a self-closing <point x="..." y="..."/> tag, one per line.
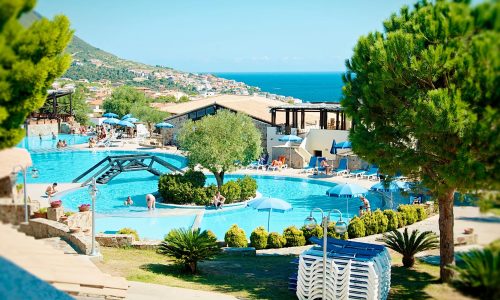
<point x="149" y="291"/>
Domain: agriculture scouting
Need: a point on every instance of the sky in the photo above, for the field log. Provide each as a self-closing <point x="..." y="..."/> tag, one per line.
<point x="227" y="36"/>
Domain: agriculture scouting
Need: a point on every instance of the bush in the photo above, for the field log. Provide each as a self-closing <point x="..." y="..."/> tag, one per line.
<point x="401" y="219"/>
<point x="371" y="223"/>
<point x="382" y="221"/>
<point x="258" y="238"/>
<point x="421" y="212"/>
<point x="200" y="197"/>
<point x="196" y="178"/>
<point x="236" y="237"/>
<point x="356" y="228"/>
<point x="248" y="187"/>
<point x="131" y="231"/>
<point x="189" y="247"/>
<point x="275" y="240"/>
<point x="409" y="213"/>
<point x="479" y="273"/>
<point x="211" y="234"/>
<point x="392" y="219"/>
<point x="231" y="190"/>
<point x="308" y="233"/>
<point x="294" y="237"/>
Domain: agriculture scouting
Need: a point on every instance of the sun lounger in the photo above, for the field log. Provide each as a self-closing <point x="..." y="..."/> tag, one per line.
<point x="342" y="169"/>
<point x="356" y="173"/>
<point x="371" y="174"/>
<point x="278" y="167"/>
<point x="312" y="165"/>
<point x="319" y="168"/>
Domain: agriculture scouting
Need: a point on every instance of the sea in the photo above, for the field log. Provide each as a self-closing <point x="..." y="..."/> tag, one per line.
<point x="308" y="87"/>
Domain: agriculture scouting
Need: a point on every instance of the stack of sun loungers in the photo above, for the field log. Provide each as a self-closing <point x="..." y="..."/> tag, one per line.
<point x="354" y="271"/>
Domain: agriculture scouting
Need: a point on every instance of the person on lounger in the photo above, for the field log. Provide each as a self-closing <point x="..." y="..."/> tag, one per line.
<point x="324" y="164"/>
<point x="51" y="189"/>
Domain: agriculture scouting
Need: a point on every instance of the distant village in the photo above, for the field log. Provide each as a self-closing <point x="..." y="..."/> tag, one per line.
<point x="205" y="85"/>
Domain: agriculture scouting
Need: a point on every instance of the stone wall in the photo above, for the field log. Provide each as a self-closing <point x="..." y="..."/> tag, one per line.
<point x="115" y="240"/>
<point x="80" y="219"/>
<point x="40" y="228"/>
<point x="43" y="127"/>
<point x="14" y="213"/>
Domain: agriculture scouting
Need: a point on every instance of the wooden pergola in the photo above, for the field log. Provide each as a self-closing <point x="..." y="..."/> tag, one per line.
<point x="322" y="108"/>
<point x="51" y="108"/>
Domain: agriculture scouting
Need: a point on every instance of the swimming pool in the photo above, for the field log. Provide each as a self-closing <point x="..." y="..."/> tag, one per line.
<point x="64" y="166"/>
<point x="35" y="143"/>
<point x="303" y="194"/>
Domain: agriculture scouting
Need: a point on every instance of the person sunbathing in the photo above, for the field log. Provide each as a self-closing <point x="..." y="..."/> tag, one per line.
<point x="324" y="164"/>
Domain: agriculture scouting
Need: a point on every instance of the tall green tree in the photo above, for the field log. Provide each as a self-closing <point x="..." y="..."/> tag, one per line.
<point x="424" y="95"/>
<point x="30" y="59"/>
<point x="219" y="141"/>
<point x="123" y="99"/>
<point x="81" y="109"/>
<point x="148" y="114"/>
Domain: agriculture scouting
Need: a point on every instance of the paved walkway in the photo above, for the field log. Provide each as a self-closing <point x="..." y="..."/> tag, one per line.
<point x="149" y="291"/>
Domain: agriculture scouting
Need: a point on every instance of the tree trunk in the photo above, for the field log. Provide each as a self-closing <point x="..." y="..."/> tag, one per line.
<point x="192" y="267"/>
<point x="446" y="248"/>
<point x="408" y="261"/>
<point x="219" y="176"/>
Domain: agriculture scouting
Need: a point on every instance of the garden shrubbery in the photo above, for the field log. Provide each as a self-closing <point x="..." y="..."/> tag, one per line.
<point x="258" y="238"/>
<point x="275" y="240"/>
<point x="236" y="237"/>
<point x="294" y="237"/>
<point x="131" y="231"/>
<point x="189" y="188"/>
<point x="308" y="233"/>
<point x="392" y="219"/>
<point x="356" y="228"/>
<point x="409" y="213"/>
<point x="371" y="223"/>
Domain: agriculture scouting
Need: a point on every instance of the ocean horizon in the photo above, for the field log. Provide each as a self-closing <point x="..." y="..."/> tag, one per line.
<point x="307" y="86"/>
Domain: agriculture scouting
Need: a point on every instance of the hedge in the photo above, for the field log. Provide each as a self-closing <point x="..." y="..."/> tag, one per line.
<point x="258" y="238"/>
<point x="356" y="228"/>
<point x="275" y="240"/>
<point x="190" y="188"/>
<point x="294" y="237"/>
<point x="131" y="231"/>
<point x="392" y="219"/>
<point x="317" y="231"/>
<point x="236" y="237"/>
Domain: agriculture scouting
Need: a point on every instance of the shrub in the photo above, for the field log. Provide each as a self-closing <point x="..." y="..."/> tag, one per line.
<point x="258" y="238"/>
<point x="131" y="231"/>
<point x="248" y="187"/>
<point x="231" y="190"/>
<point x="401" y="219"/>
<point x="382" y="220"/>
<point x="421" y="212"/>
<point x="356" y="228"/>
<point x="479" y="275"/>
<point x="196" y="178"/>
<point x="236" y="237"/>
<point x="294" y="237"/>
<point x="200" y="197"/>
<point x="211" y="234"/>
<point x="371" y="223"/>
<point x="275" y="240"/>
<point x="177" y="188"/>
<point x="392" y="219"/>
<point x="410" y="244"/>
<point x="409" y="214"/>
<point x="308" y="233"/>
<point x="189" y="247"/>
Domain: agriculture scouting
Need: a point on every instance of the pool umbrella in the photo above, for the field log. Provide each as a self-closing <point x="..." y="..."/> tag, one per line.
<point x="126" y="124"/>
<point x="131" y="120"/>
<point x="392" y="186"/>
<point x="290" y="139"/>
<point x="346" y="190"/>
<point x="270" y="204"/>
<point x="110" y="115"/>
<point x="164" y="125"/>
<point x="127" y="116"/>
<point x="111" y="121"/>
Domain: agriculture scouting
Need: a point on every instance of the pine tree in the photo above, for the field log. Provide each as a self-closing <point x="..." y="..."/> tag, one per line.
<point x="30" y="59"/>
<point x="423" y="96"/>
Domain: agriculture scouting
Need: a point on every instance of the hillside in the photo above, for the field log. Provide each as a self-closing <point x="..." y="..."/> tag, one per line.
<point x="93" y="64"/>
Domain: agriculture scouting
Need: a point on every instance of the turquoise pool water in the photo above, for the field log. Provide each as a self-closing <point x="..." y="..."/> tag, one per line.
<point x="64" y="166"/>
<point x="35" y="143"/>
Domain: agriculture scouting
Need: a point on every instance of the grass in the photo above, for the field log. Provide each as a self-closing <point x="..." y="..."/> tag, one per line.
<point x="261" y="277"/>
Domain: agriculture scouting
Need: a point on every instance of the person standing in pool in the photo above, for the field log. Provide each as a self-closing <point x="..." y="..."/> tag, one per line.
<point x="151" y="201"/>
<point x="366" y="203"/>
<point x="129" y="201"/>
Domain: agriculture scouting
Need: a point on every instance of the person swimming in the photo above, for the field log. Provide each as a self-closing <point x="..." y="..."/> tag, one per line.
<point x="128" y="202"/>
<point x="151" y="201"/>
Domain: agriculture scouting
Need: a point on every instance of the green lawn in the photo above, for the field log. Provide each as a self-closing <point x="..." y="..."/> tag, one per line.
<point x="261" y="277"/>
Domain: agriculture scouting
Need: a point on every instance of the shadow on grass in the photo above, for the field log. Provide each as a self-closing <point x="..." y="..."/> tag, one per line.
<point x="409" y="283"/>
<point x="260" y="277"/>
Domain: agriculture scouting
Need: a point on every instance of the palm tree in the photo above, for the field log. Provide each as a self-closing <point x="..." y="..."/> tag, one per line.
<point x="410" y="244"/>
<point x="189" y="247"/>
